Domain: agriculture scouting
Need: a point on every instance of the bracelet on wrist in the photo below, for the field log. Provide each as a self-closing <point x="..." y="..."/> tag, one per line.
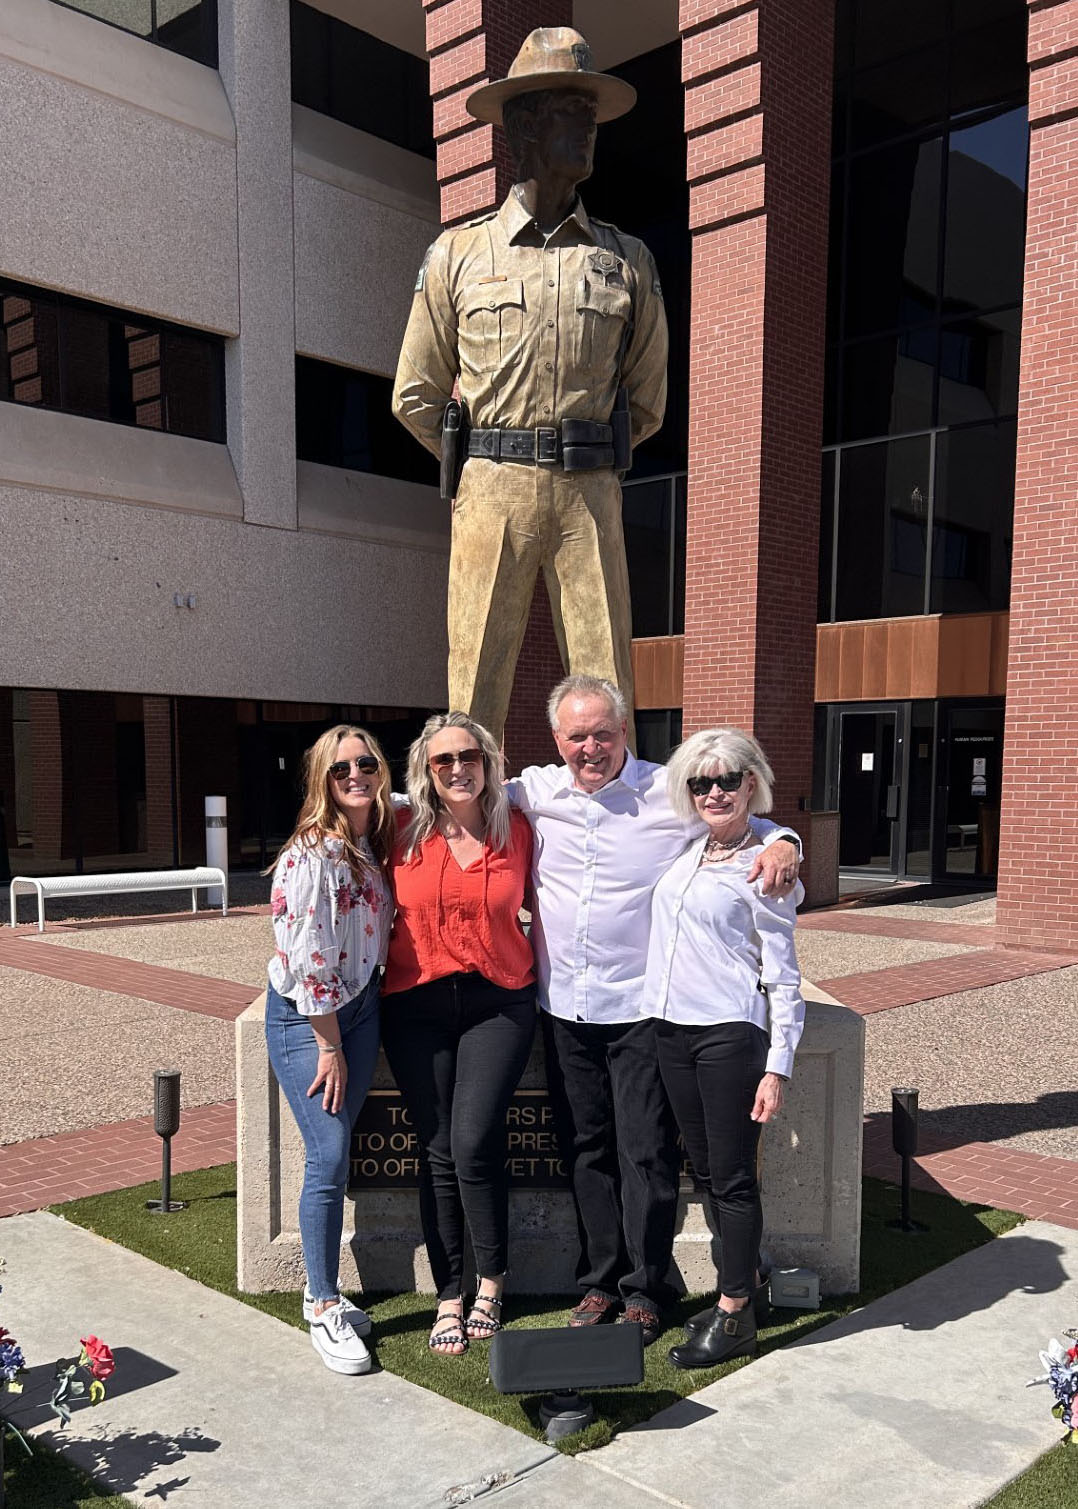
<point x="329" y="1047"/>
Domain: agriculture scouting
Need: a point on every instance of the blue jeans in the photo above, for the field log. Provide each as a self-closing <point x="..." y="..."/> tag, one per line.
<point x="327" y="1137"/>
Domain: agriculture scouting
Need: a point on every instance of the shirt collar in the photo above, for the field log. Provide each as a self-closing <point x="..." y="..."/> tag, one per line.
<point x="515" y="218"/>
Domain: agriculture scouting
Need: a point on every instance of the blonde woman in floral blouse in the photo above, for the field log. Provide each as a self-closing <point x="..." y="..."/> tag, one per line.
<point x="332" y="912"/>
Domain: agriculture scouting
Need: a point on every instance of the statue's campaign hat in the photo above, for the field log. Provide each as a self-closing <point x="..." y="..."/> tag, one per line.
<point x="554" y="57"/>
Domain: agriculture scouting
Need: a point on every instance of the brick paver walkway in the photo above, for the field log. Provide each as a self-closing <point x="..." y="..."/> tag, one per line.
<point x="926" y="930"/>
<point x="1003" y="1177"/>
<point x="51" y="1169"/>
<point x="905" y="984"/>
<point x="149" y="982"/>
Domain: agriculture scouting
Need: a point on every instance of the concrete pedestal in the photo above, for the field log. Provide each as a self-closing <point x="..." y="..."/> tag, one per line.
<point x="811" y="1166"/>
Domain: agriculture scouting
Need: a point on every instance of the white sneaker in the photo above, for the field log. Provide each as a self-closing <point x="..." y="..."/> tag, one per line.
<point x="336" y="1342"/>
<point x="358" y="1319"/>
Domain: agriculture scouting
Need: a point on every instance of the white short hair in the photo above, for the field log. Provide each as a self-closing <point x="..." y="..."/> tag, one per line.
<point x="587" y="686"/>
<point x="724" y="749"/>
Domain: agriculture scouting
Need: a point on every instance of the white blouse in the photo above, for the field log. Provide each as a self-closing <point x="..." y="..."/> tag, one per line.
<point x="331" y="933"/>
<point x="714" y="940"/>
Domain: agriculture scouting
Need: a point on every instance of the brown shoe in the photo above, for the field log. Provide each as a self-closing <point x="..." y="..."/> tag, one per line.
<point x="593" y="1309"/>
<point x="647" y="1320"/>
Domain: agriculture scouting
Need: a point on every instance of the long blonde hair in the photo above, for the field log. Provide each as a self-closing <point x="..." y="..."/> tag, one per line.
<point x="320" y="817"/>
<point x="423" y="795"/>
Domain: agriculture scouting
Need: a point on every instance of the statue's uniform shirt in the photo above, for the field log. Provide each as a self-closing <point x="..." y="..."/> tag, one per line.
<point x="537" y="329"/>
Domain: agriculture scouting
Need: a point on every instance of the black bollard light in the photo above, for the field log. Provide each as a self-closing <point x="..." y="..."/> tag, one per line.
<point x="904" y="1142"/>
<point x="166" y="1123"/>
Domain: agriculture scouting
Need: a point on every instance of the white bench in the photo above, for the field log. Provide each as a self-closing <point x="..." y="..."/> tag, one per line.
<point x="106" y="885"/>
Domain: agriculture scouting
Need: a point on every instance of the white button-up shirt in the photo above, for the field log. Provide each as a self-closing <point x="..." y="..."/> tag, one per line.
<point x="596" y="859"/>
<point x="715" y="940"/>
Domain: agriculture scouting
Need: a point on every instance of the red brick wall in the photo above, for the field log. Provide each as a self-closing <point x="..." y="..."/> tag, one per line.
<point x="48" y="768"/>
<point x="758" y="116"/>
<point x="158" y="737"/>
<point x="1038" y="902"/>
<point x="473" y="42"/>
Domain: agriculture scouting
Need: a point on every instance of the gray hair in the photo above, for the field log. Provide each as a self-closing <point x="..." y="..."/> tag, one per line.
<point x="587" y="686"/>
<point x="423" y="795"/>
<point x="725" y="749"/>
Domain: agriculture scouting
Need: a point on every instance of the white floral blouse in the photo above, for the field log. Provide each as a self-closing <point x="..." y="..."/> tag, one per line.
<point x="331" y="933"/>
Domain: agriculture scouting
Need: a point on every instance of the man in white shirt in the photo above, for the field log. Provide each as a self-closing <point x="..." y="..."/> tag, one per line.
<point x="604" y="834"/>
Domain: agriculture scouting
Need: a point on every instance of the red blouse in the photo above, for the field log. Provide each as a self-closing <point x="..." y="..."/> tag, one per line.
<point x="451" y="920"/>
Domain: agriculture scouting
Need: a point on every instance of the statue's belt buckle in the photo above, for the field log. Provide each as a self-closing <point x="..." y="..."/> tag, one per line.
<point x="546" y="445"/>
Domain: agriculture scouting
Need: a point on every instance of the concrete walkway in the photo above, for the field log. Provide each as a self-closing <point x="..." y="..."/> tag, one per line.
<point x="917" y="1400"/>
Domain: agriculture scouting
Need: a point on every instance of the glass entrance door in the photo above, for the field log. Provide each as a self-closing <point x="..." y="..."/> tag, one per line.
<point x="967" y="795"/>
<point x="869" y="794"/>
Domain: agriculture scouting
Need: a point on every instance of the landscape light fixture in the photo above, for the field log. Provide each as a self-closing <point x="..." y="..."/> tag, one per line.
<point x="904" y="1142"/>
<point x="166" y="1123"/>
<point x="559" y="1361"/>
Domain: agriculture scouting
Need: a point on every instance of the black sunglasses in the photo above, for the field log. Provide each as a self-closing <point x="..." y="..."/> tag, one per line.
<point x="365" y="764"/>
<point x="700" y="785"/>
<point x="449" y="758"/>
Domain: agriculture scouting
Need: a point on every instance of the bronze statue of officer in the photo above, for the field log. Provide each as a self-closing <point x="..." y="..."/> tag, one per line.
<point x="553" y="325"/>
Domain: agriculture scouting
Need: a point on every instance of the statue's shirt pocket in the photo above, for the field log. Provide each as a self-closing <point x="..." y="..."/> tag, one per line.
<point x="491" y="326"/>
<point x="602" y="313"/>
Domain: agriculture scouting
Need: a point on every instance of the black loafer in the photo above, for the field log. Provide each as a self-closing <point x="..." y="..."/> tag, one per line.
<point x="725" y="1336"/>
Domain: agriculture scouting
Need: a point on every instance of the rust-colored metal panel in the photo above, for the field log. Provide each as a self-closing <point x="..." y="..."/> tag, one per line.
<point x="851" y="661"/>
<point x="658" y="671"/>
<point x="895" y="658"/>
<point x="827" y="646"/>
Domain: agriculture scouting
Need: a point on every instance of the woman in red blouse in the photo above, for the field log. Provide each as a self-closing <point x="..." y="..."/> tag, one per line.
<point x="459" y="1011"/>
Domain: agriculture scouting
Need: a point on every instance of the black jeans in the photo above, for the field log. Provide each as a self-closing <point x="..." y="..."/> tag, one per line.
<point x="711" y="1074"/>
<point x="617" y="1134"/>
<point x="457" y="1048"/>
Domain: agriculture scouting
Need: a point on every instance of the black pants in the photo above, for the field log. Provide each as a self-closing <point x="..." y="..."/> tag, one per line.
<point x="711" y="1075"/>
<point x="616" y="1130"/>
<point x="457" y="1048"/>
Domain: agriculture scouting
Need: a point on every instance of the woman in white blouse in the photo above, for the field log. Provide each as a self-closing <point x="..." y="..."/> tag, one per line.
<point x="723" y="981"/>
<point x="332" y="912"/>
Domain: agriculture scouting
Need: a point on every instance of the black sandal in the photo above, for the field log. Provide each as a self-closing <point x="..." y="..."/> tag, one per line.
<point x="439" y="1339"/>
<point x="481" y="1321"/>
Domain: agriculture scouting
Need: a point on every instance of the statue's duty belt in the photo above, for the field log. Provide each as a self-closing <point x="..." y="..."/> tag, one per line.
<point x="576" y="445"/>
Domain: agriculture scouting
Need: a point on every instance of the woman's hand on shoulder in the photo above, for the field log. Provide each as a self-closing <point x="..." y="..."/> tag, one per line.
<point x="769" y="1098"/>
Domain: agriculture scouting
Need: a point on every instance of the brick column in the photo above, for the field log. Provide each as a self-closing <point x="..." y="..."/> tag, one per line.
<point x="157" y="734"/>
<point x="1038" y="904"/>
<point x="473" y="42"/>
<point x="758" y="117"/>
<point x="47" y="764"/>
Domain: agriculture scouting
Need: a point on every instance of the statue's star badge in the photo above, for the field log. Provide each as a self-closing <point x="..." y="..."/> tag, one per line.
<point x="604" y="263"/>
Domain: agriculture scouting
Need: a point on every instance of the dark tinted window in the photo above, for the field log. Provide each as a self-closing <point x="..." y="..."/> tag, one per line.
<point x="60" y="353"/>
<point x="654" y="518"/>
<point x="341" y="71"/>
<point x="343" y="418"/>
<point x="972" y="519"/>
<point x="185" y="26"/>
<point x="883" y="529"/>
<point x="926" y="267"/>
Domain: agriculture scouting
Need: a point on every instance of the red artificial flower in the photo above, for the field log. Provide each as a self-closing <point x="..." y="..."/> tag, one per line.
<point x="102" y="1362"/>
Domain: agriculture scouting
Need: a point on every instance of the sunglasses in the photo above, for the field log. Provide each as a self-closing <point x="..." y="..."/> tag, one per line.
<point x="365" y="764"/>
<point x="700" y="785"/>
<point x="450" y="758"/>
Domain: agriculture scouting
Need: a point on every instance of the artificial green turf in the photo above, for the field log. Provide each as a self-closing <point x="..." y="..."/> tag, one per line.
<point x="201" y="1242"/>
<point x="1051" y="1483"/>
<point x="47" y="1480"/>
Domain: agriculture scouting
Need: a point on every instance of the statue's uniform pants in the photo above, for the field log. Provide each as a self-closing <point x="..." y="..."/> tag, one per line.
<point x="510" y="521"/>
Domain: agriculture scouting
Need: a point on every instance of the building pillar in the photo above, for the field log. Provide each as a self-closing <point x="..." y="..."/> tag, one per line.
<point x="157" y="733"/>
<point x="47" y="764"/>
<point x="473" y="42"/>
<point x="1038" y="904"/>
<point x="260" y="365"/>
<point x="758" y="82"/>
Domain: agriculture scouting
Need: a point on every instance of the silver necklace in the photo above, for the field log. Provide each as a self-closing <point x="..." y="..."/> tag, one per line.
<point x="716" y="850"/>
